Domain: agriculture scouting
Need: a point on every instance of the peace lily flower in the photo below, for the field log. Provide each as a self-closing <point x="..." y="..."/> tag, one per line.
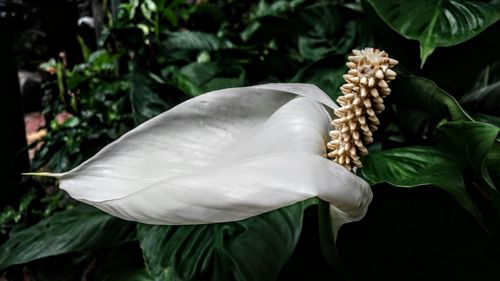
<point x="235" y="153"/>
<point x="223" y="156"/>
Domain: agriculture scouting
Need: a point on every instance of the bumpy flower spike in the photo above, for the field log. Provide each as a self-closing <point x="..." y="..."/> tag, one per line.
<point x="363" y="96"/>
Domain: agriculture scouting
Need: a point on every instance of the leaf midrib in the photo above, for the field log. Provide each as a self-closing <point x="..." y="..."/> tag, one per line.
<point x="432" y="24"/>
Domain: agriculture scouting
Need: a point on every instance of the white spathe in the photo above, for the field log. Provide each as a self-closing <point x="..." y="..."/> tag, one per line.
<point x="223" y="156"/>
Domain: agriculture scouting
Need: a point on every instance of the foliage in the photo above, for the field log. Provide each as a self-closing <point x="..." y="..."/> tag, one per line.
<point x="441" y="129"/>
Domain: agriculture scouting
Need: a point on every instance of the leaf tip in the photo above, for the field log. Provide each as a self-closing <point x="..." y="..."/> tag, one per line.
<point x="425" y="52"/>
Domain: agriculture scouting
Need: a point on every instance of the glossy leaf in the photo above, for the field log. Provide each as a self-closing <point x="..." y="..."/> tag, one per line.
<point x="437" y="23"/>
<point x="79" y="229"/>
<point x="417" y="92"/>
<point x="251" y="249"/>
<point x="416" y="166"/>
<point x="421" y="105"/>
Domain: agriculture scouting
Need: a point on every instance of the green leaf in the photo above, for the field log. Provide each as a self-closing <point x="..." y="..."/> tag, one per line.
<point x="144" y="102"/>
<point x="329" y="29"/>
<point x="251" y="249"/>
<point x="417" y="166"/>
<point x="198" y="78"/>
<point x="325" y="73"/>
<point x="130" y="274"/>
<point x="471" y="142"/>
<point x="79" y="229"/>
<point x="486" y="118"/>
<point x="193" y="40"/>
<point x="421" y="105"/>
<point x="485" y="99"/>
<point x="328" y="241"/>
<point x="417" y="92"/>
<point x="493" y="163"/>
<point x="437" y="23"/>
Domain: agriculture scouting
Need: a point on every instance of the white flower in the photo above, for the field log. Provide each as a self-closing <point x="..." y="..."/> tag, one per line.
<point x="223" y="156"/>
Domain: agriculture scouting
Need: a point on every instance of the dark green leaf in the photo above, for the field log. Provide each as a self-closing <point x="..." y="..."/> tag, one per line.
<point x="417" y="166"/>
<point x="486" y="118"/>
<point x="471" y="142"/>
<point x="198" y="78"/>
<point x="191" y="40"/>
<point x="329" y="29"/>
<point x="493" y="164"/>
<point x="130" y="274"/>
<point x="251" y="249"/>
<point x="145" y="103"/>
<point x="486" y="99"/>
<point x="417" y="92"/>
<point x="328" y="241"/>
<point x="79" y="229"/>
<point x="421" y="105"/>
<point x="437" y="23"/>
<point x="325" y="73"/>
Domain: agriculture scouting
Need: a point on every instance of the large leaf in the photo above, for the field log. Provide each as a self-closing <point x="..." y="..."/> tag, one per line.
<point x="79" y="229"/>
<point x="251" y="249"/>
<point x="471" y="141"/>
<point x="417" y="92"/>
<point x="437" y="23"/>
<point x="421" y="105"/>
<point x="417" y="166"/>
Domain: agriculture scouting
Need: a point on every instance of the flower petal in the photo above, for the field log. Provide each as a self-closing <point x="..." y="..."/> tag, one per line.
<point x="223" y="156"/>
<point x="307" y="90"/>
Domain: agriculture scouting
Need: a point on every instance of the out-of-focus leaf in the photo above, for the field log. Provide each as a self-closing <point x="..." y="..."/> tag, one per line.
<point x="486" y="118"/>
<point x="197" y="78"/>
<point x="471" y="142"/>
<point x="417" y="166"/>
<point x="144" y="102"/>
<point x="7" y="214"/>
<point x="192" y="40"/>
<point x="493" y="163"/>
<point x="439" y="23"/>
<point x="122" y="263"/>
<point x="277" y="8"/>
<point x="325" y="73"/>
<point x="130" y="274"/>
<point x="79" y="229"/>
<point x="486" y="99"/>
<point x="329" y="29"/>
<point x="251" y="249"/>
<point x="270" y="29"/>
